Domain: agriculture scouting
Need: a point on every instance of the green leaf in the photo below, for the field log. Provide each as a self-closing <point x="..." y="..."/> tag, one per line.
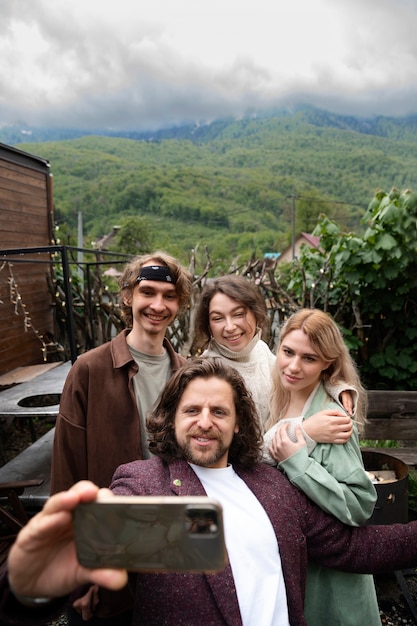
<point x="385" y="242"/>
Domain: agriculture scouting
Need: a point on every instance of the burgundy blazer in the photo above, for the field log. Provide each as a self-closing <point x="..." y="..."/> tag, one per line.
<point x="302" y="529"/>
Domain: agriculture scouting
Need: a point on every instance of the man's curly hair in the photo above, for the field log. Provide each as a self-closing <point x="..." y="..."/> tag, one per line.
<point x="245" y="449"/>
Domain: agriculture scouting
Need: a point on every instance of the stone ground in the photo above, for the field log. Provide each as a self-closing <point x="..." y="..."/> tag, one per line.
<point x="393" y="606"/>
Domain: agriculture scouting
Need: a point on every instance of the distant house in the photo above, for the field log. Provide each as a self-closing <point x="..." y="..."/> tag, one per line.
<point x="272" y="256"/>
<point x="103" y="242"/>
<point x="26" y="221"/>
<point x="303" y="238"/>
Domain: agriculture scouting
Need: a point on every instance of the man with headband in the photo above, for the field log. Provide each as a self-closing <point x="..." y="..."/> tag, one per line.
<point x="110" y="389"/>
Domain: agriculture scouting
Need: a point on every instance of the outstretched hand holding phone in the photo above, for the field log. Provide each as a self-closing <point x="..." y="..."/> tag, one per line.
<point x="43" y="560"/>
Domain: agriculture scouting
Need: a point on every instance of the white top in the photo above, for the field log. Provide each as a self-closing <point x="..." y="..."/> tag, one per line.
<point x="252" y="548"/>
<point x="293" y="422"/>
<point x="255" y="364"/>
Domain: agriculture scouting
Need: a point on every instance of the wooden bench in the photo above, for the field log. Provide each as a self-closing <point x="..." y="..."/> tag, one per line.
<point x="24" y="489"/>
<point x="12" y="515"/>
<point x="37" y="397"/>
<point x="33" y="464"/>
<point x="392" y="415"/>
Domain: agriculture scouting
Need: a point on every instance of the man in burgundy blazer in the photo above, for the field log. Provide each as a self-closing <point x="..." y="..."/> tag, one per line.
<point x="42" y="562"/>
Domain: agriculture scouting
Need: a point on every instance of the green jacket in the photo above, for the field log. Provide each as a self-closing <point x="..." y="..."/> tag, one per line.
<point x="333" y="476"/>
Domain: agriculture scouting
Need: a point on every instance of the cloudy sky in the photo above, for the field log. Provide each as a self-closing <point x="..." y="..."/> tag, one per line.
<point x="144" y="64"/>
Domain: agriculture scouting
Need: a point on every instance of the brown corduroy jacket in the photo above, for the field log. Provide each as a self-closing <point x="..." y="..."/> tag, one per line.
<point x="97" y="428"/>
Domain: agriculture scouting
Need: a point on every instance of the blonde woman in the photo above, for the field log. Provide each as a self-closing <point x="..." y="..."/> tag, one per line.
<point x="312" y="364"/>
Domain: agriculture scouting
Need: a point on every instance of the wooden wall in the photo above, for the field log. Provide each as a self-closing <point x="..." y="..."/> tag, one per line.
<point x="26" y="221"/>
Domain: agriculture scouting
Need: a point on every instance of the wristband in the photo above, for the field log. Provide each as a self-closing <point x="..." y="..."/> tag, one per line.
<point x="32" y="602"/>
<point x="29" y="601"/>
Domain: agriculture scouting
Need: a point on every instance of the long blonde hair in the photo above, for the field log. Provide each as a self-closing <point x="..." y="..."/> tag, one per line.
<point x="327" y="340"/>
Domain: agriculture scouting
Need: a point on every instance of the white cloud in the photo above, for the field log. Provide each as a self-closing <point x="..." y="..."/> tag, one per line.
<point x="130" y="64"/>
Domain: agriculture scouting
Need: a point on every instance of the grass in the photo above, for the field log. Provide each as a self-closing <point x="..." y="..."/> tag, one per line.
<point x="412" y="489"/>
<point x="378" y="443"/>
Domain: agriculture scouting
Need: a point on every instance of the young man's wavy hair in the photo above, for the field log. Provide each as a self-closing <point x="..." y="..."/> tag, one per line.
<point x="245" y="449"/>
<point x="328" y="342"/>
<point x="238" y="288"/>
<point x="128" y="280"/>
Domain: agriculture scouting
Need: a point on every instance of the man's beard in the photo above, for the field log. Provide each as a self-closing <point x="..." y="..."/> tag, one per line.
<point x="202" y="457"/>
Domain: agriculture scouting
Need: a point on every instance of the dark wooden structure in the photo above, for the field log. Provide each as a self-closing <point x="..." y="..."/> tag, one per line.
<point x="26" y="220"/>
<point x="13" y="515"/>
<point x="392" y="415"/>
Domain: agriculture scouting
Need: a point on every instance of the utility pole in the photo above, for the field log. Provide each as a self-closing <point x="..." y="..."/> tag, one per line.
<point x="292" y="196"/>
<point x="293" y="225"/>
<point x="80" y="256"/>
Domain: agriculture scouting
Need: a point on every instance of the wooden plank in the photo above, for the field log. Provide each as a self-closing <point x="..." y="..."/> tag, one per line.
<point x="399" y="429"/>
<point x="34" y="236"/>
<point x="40" y="318"/>
<point x="22" y="374"/>
<point x="33" y="462"/>
<point x="21" y="187"/>
<point x="18" y="347"/>
<point x="19" y="194"/>
<point x="47" y="388"/>
<point x="23" y="163"/>
<point x="406" y="455"/>
<point x="392" y="415"/>
<point x="23" y="183"/>
<point x="17" y="174"/>
<point x="31" y="354"/>
<point x="391" y="402"/>
<point x="11" y="203"/>
<point x="29" y="237"/>
<point x="25" y="221"/>
<point x="28" y="206"/>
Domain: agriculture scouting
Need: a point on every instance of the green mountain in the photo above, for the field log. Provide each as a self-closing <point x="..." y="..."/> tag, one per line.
<point x="232" y="185"/>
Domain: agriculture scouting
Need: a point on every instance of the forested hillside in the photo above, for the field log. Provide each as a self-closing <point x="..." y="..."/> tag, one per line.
<point x="230" y="184"/>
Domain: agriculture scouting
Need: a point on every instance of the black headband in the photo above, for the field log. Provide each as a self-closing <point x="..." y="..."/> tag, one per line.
<point x="156" y="272"/>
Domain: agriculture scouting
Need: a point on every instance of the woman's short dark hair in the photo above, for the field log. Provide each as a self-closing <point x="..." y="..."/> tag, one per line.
<point x="245" y="449"/>
<point x="237" y="288"/>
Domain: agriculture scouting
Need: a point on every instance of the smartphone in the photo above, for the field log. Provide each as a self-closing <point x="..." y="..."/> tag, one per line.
<point x="151" y="533"/>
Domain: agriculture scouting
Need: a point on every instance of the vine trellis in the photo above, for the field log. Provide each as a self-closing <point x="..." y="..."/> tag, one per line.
<point x="87" y="312"/>
<point x="15" y="298"/>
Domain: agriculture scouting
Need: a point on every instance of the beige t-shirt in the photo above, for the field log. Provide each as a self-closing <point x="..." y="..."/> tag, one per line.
<point x="153" y="374"/>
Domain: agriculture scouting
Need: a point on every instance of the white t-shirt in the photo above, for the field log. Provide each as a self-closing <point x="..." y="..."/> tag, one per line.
<point x="256" y="565"/>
